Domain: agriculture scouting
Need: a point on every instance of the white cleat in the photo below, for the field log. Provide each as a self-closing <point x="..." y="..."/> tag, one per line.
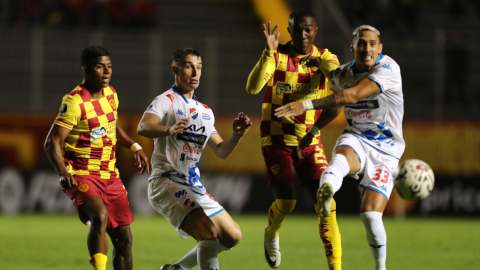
<point x="324" y="200"/>
<point x="171" y="267"/>
<point x="272" y="251"/>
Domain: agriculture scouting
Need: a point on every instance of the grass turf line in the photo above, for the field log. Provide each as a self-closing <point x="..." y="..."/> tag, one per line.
<point x="59" y="242"/>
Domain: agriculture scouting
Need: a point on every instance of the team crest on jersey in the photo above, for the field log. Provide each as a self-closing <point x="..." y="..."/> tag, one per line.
<point x="113" y="103"/>
<point x="96" y="133"/>
<point x="63" y="109"/>
<point x="193" y="113"/>
<point x="275" y="168"/>
<point x="83" y="188"/>
<point x="189" y="202"/>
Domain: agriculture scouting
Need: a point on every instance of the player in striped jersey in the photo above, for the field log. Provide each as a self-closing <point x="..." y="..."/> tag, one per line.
<point x="81" y="146"/>
<point x="295" y="71"/>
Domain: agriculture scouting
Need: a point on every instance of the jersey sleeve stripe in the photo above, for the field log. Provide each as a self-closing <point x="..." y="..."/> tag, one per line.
<point x="377" y="82"/>
<point x="63" y="124"/>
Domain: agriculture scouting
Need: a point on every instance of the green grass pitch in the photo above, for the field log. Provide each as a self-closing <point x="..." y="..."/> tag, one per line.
<point x="40" y="242"/>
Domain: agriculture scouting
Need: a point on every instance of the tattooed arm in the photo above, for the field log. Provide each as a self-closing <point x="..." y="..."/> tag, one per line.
<point x="363" y="89"/>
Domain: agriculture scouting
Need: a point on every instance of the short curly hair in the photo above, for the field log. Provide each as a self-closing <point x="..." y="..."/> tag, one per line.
<point x="89" y="53"/>
<point x="181" y="53"/>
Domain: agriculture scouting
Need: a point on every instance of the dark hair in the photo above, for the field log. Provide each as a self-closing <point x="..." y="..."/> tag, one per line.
<point x="181" y="53"/>
<point x="302" y="13"/>
<point x="91" y="52"/>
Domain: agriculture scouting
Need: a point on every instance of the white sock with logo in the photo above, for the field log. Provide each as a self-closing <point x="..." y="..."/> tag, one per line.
<point x="337" y="169"/>
<point x="191" y="258"/>
<point x="376" y="237"/>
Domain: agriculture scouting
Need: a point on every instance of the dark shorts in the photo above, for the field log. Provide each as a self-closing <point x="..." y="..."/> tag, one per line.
<point x="280" y="161"/>
<point x="112" y="193"/>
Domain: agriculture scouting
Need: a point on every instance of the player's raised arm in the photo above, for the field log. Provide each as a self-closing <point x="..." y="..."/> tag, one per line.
<point x="365" y="88"/>
<point x="149" y="127"/>
<point x="223" y="148"/>
<point x="264" y="69"/>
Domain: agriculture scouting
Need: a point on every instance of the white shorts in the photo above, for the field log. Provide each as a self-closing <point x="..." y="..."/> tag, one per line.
<point x="377" y="167"/>
<point x="176" y="201"/>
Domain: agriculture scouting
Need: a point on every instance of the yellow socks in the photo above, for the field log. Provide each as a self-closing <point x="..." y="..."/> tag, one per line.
<point x="277" y="214"/>
<point x="99" y="261"/>
<point x="330" y="235"/>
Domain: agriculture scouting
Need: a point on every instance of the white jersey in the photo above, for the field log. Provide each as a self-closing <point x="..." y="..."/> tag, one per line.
<point x="377" y="119"/>
<point x="177" y="156"/>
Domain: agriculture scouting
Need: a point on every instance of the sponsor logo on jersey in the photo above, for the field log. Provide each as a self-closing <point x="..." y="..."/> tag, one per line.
<point x="193" y="127"/>
<point x="206" y="116"/>
<point x="298" y="89"/>
<point x="194" y="113"/>
<point x="180" y="112"/>
<point x="180" y="193"/>
<point x="364" y="104"/>
<point x="189" y="202"/>
<point x="360" y="114"/>
<point x="96" y="133"/>
<point x="63" y="109"/>
<point x="387" y="66"/>
<point x="275" y="168"/>
<point x="191" y="149"/>
<point x="84" y="188"/>
<point x="192" y="137"/>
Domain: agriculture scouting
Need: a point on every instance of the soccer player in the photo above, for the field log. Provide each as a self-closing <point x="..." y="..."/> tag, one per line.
<point x="370" y="89"/>
<point x="181" y="127"/>
<point x="81" y="146"/>
<point x="295" y="71"/>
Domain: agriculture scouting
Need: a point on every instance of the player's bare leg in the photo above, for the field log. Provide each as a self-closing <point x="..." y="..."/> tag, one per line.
<point x="122" y="247"/>
<point x="97" y="238"/>
<point x="228" y="235"/>
<point x="372" y="207"/>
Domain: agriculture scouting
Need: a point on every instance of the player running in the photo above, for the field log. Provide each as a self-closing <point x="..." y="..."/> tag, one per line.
<point x="295" y="71"/>
<point x="370" y="89"/>
<point x="181" y="128"/>
<point x="81" y="146"/>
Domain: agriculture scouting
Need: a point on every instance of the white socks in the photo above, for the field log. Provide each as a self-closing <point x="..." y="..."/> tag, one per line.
<point x="376" y="237"/>
<point x="204" y="254"/>
<point x="337" y="169"/>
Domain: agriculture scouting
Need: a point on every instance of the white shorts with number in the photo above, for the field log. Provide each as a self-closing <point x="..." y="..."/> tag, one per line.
<point x="175" y="201"/>
<point x="377" y="167"/>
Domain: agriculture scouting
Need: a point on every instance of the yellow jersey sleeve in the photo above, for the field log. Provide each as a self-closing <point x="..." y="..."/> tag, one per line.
<point x="262" y="72"/>
<point x="69" y="113"/>
<point x="329" y="64"/>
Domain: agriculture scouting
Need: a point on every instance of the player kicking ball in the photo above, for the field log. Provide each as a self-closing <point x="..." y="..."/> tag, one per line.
<point x="181" y="128"/>
<point x="370" y="90"/>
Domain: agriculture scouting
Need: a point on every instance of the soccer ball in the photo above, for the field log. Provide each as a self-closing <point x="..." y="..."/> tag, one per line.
<point x="413" y="180"/>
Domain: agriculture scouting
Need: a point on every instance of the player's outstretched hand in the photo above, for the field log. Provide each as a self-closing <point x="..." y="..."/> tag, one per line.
<point x="290" y="109"/>
<point x="141" y="161"/>
<point x="68" y="181"/>
<point x="311" y="61"/>
<point x="241" y="124"/>
<point x="304" y="143"/>
<point x="179" y="126"/>
<point x="271" y="36"/>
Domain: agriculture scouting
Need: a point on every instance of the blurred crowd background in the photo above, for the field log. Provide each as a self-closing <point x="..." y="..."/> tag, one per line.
<point x="435" y="42"/>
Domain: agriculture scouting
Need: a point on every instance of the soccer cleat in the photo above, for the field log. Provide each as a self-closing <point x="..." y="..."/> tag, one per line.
<point x="272" y="251"/>
<point x="171" y="267"/>
<point x="324" y="200"/>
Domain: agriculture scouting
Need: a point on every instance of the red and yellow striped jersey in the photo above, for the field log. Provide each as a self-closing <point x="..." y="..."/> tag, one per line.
<point x="90" y="146"/>
<point x="288" y="81"/>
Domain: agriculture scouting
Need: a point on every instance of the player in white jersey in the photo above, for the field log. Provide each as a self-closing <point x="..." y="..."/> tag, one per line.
<point x="181" y="128"/>
<point x="370" y="89"/>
